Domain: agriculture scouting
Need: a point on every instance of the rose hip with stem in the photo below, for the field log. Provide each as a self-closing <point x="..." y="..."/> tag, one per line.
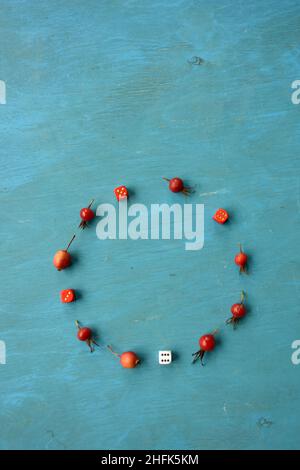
<point x="86" y="215"/>
<point x="241" y="260"/>
<point x="238" y="311"/>
<point x="86" y="334"/>
<point x="128" y="359"/>
<point x="62" y="258"/>
<point x="207" y="343"/>
<point x="176" y="185"/>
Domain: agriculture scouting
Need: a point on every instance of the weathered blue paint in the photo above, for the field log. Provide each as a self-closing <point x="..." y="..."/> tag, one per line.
<point x="102" y="93"/>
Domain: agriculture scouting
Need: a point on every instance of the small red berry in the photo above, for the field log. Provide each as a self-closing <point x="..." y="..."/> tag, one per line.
<point x="241" y="260"/>
<point x="221" y="216"/>
<point x="121" y="192"/>
<point x="207" y="343"/>
<point x="238" y="311"/>
<point x="62" y="258"/>
<point x="128" y="359"/>
<point x="86" y="215"/>
<point x="67" y="296"/>
<point x="85" y="334"/>
<point x="176" y="185"/>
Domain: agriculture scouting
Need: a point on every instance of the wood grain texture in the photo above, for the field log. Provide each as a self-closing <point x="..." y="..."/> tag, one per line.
<point x="101" y="93"/>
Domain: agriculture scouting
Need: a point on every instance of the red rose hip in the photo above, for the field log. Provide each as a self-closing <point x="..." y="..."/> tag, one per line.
<point x="128" y="359"/>
<point x="207" y="343"/>
<point x="86" y="215"/>
<point x="62" y="258"/>
<point x="241" y="260"/>
<point x="85" y="334"/>
<point x="238" y="311"/>
<point x="176" y="185"/>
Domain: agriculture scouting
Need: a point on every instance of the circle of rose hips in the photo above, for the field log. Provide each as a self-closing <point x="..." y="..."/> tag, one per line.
<point x="128" y="359"/>
<point x="176" y="185"/>
<point x="238" y="311"/>
<point x="86" y="215"/>
<point x="85" y="334"/>
<point x="62" y="258"/>
<point x="241" y="260"/>
<point x="207" y="343"/>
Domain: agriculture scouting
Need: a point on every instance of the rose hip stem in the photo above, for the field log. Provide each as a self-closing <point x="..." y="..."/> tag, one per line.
<point x="112" y="351"/>
<point x="70" y="243"/>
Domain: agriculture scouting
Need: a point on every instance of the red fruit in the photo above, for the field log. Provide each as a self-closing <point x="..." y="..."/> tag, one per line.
<point x="86" y="215"/>
<point x="221" y="216"/>
<point x="241" y="260"/>
<point x="207" y="343"/>
<point x="129" y="360"/>
<point x="238" y="311"/>
<point x="86" y="334"/>
<point x="62" y="258"/>
<point x="121" y="192"/>
<point x="67" y="296"/>
<point x="176" y="185"/>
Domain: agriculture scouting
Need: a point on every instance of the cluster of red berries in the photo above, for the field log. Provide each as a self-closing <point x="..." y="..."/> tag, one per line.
<point x="129" y="359"/>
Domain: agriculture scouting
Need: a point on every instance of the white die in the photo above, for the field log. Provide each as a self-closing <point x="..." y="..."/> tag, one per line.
<point x="165" y="357"/>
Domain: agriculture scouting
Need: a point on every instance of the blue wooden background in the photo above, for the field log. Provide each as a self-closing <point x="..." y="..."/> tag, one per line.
<point x="101" y="93"/>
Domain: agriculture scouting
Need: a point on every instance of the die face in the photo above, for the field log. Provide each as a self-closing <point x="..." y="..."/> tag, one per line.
<point x="67" y="296"/>
<point x="221" y="216"/>
<point x="121" y="192"/>
<point x="165" y="357"/>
